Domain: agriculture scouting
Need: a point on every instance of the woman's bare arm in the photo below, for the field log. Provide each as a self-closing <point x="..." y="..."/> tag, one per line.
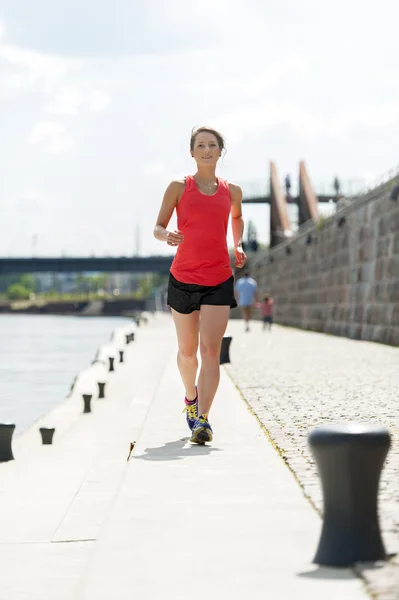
<point x="237" y="224"/>
<point x="170" y="199"/>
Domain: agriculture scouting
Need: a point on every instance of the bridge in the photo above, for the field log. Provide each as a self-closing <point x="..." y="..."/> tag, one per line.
<point x="307" y="202"/>
<point x="121" y="264"/>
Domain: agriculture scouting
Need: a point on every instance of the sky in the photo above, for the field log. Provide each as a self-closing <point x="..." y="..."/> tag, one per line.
<point x="98" y="99"/>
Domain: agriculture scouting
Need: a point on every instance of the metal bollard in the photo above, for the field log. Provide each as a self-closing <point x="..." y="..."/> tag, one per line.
<point x="111" y="363"/>
<point x="224" y="350"/>
<point x="121" y="356"/>
<point x="6" y="433"/>
<point x="47" y="434"/>
<point x="87" y="403"/>
<point x="349" y="458"/>
<point x="101" y="389"/>
<point x="128" y="338"/>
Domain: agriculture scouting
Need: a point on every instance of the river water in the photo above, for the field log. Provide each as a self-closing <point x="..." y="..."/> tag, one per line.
<point x="40" y="355"/>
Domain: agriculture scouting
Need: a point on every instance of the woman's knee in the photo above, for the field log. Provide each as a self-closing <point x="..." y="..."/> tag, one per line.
<point x="210" y="350"/>
<point x="188" y="352"/>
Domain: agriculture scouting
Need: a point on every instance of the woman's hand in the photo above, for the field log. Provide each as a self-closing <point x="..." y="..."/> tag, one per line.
<point x="241" y="257"/>
<point x="174" y="238"/>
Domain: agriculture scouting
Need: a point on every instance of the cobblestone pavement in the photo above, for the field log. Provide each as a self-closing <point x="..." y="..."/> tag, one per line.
<point x="295" y="380"/>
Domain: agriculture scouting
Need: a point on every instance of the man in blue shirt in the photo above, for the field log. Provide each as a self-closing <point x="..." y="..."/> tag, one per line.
<point x="246" y="291"/>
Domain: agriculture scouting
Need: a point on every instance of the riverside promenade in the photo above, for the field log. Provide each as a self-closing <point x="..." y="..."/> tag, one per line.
<point x="229" y="519"/>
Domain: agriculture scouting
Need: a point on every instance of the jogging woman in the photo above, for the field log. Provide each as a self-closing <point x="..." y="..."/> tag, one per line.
<point x="201" y="283"/>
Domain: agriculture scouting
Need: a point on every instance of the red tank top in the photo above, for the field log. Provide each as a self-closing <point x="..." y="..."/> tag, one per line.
<point x="203" y="258"/>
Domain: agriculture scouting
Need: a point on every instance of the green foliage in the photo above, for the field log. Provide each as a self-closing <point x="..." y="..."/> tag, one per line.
<point x="28" y="281"/>
<point x="148" y="283"/>
<point x="89" y="283"/>
<point x="322" y="221"/>
<point x="16" y="291"/>
<point x="145" y="287"/>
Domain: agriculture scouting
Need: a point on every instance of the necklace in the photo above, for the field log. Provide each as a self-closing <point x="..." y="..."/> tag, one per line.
<point x="210" y="185"/>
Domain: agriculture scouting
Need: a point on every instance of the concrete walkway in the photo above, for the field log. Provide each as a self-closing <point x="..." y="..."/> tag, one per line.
<point x="177" y="521"/>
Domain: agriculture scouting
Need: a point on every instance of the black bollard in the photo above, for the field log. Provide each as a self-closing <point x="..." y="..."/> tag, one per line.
<point x="128" y="338"/>
<point x="87" y="403"/>
<point x="6" y="433"/>
<point x="121" y="356"/>
<point x="224" y="350"/>
<point x="111" y="363"/>
<point x="47" y="434"/>
<point x="101" y="389"/>
<point x="349" y="458"/>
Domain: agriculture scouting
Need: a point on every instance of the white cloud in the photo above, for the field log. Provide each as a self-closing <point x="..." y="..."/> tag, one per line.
<point x="98" y="100"/>
<point x="31" y="203"/>
<point x="70" y="100"/>
<point x="31" y="197"/>
<point x="158" y="169"/>
<point x="61" y="82"/>
<point x="35" y="68"/>
<point x="53" y="137"/>
<point x="305" y="123"/>
<point x="66" y="101"/>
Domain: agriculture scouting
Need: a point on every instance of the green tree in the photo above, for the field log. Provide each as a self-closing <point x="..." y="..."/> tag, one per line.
<point x="145" y="287"/>
<point x="98" y="282"/>
<point x="28" y="281"/>
<point x="16" y="291"/>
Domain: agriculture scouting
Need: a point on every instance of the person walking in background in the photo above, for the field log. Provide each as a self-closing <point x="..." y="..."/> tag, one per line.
<point x="267" y="311"/>
<point x="246" y="291"/>
<point x="201" y="282"/>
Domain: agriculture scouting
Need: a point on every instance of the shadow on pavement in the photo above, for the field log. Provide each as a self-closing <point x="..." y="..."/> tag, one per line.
<point x="328" y="573"/>
<point x="175" y="451"/>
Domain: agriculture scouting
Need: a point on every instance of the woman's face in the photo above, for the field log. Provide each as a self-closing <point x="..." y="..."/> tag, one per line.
<point x="206" y="149"/>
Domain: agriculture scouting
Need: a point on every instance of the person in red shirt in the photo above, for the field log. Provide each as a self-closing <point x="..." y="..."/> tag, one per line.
<point x="201" y="282"/>
<point x="267" y="311"/>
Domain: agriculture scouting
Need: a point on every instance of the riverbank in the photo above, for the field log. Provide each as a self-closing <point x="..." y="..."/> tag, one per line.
<point x="117" y="307"/>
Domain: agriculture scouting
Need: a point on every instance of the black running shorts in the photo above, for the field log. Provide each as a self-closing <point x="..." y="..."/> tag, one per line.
<point x="187" y="297"/>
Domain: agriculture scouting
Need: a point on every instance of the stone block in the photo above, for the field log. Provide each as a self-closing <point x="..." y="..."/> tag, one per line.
<point x="379" y="269"/>
<point x="395" y="315"/>
<point x="394" y="222"/>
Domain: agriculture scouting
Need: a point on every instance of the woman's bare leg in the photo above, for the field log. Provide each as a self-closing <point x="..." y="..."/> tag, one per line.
<point x="212" y="326"/>
<point x="187" y="329"/>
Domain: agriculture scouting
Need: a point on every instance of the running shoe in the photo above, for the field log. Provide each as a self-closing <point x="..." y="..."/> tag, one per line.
<point x="202" y="431"/>
<point x="191" y="410"/>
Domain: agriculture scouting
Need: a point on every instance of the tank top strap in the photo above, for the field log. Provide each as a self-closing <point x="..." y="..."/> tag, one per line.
<point x="224" y="184"/>
<point x="189" y="183"/>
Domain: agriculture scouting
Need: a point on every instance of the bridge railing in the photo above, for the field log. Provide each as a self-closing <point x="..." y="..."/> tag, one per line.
<point x="387" y="180"/>
<point x="348" y="188"/>
<point x="255" y="189"/>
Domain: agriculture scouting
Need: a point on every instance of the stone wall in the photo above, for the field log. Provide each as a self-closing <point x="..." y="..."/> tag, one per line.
<point x="340" y="276"/>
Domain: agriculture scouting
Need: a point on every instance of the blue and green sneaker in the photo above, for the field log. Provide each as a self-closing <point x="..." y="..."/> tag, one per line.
<point x="202" y="431"/>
